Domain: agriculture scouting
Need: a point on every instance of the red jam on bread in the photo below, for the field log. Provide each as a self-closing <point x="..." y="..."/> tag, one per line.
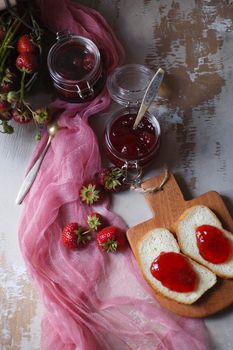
<point x="212" y="244"/>
<point x="175" y="272"/>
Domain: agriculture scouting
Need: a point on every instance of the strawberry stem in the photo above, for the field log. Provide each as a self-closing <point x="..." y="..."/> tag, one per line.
<point x="3" y="61"/>
<point x="22" y="86"/>
<point x="28" y="106"/>
<point x="38" y="131"/>
<point x="8" y="38"/>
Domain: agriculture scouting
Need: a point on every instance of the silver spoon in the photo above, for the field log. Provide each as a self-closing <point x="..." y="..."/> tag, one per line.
<point x="149" y="95"/>
<point x="31" y="175"/>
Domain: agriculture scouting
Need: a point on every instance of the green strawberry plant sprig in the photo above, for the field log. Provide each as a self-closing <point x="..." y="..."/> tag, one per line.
<point x="20" y="50"/>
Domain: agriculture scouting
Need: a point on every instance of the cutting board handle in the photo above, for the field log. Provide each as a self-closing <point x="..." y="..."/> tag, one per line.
<point x="169" y="198"/>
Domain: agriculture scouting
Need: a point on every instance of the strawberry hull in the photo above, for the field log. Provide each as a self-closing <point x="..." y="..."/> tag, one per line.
<point x="112" y="179"/>
<point x="91" y="193"/>
<point x="95" y="221"/>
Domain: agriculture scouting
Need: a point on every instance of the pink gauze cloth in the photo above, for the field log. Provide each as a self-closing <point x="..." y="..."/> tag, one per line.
<point x="93" y="301"/>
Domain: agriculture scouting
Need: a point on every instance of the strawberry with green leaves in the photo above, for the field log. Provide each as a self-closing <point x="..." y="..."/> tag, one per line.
<point x="74" y="235"/>
<point x="8" y="81"/>
<point x="41" y="116"/>
<point x="27" y="62"/>
<point x="95" y="221"/>
<point x="112" y="179"/>
<point x="26" y="44"/>
<point x="18" y="52"/>
<point x="5" y="113"/>
<point x="21" y="114"/>
<point x="91" y="193"/>
<point x="111" y="239"/>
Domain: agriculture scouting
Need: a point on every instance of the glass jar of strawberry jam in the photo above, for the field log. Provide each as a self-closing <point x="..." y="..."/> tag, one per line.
<point x="125" y="147"/>
<point x="76" y="68"/>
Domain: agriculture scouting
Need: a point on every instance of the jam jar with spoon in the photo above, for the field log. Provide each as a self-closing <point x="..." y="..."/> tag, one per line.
<point x="127" y="145"/>
<point x="76" y="68"/>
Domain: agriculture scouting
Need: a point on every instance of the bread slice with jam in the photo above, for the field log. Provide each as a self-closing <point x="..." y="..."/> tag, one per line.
<point x="159" y="242"/>
<point x="191" y="222"/>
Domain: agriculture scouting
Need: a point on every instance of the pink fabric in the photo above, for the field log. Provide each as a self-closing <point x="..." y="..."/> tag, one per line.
<point x="93" y="301"/>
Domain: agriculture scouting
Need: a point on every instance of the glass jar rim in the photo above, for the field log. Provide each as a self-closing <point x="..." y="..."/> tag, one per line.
<point x="128" y="83"/>
<point x="88" y="44"/>
<point x="125" y="111"/>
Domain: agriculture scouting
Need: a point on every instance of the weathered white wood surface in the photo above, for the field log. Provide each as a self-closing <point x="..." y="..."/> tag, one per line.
<point x="192" y="41"/>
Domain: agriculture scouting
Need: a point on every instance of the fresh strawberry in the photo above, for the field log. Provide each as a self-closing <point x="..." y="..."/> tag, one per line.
<point x="8" y="82"/>
<point x="27" y="62"/>
<point x="41" y="116"/>
<point x="5" y="110"/>
<point x="112" y="179"/>
<point x="73" y="235"/>
<point x="110" y="239"/>
<point x="21" y="114"/>
<point x="26" y="45"/>
<point x="95" y="221"/>
<point x="5" y="87"/>
<point x="91" y="193"/>
<point x="4" y="105"/>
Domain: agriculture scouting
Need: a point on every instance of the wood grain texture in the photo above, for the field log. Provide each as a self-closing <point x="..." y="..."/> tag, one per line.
<point x="167" y="206"/>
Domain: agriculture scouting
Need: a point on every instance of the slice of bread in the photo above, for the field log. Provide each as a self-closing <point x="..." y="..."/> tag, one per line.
<point x="185" y="231"/>
<point x="161" y="240"/>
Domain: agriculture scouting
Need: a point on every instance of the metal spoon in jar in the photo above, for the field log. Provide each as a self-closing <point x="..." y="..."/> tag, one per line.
<point x="149" y="95"/>
<point x="31" y="175"/>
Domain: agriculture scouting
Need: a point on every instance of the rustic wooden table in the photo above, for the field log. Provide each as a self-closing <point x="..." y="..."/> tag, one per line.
<point x="192" y="41"/>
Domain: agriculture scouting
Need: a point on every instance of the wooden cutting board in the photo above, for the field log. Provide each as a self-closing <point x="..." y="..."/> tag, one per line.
<point x="167" y="205"/>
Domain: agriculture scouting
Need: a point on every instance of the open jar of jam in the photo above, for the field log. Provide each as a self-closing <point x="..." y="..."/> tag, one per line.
<point x="128" y="148"/>
<point x="76" y="68"/>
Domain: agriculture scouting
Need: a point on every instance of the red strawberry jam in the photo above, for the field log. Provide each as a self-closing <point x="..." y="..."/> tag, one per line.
<point x="125" y="143"/>
<point x="212" y="244"/>
<point x="74" y="61"/>
<point x="76" y="68"/>
<point x="175" y="272"/>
